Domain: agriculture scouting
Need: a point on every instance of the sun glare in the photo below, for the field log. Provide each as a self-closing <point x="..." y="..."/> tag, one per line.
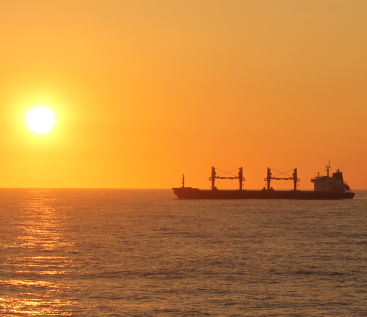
<point x="40" y="120"/>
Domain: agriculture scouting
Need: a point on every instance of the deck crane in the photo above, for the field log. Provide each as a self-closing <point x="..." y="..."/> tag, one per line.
<point x="293" y="177"/>
<point x="239" y="177"/>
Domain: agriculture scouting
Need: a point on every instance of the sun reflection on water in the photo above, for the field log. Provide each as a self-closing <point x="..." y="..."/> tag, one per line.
<point x="35" y="258"/>
<point x="35" y="307"/>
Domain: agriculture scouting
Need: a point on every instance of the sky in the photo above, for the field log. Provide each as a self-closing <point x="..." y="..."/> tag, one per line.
<point x="145" y="91"/>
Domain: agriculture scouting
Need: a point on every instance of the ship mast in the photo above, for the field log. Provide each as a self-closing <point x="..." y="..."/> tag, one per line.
<point x="295" y="179"/>
<point x="213" y="178"/>
<point x="327" y="169"/>
<point x="240" y="177"/>
<point x="268" y="178"/>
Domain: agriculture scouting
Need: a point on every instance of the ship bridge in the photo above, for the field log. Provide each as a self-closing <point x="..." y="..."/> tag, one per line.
<point x="330" y="184"/>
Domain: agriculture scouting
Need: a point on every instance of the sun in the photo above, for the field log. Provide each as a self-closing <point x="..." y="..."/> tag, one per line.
<point x="40" y="120"/>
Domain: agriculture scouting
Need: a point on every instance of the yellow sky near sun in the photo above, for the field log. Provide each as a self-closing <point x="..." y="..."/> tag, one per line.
<point x="144" y="91"/>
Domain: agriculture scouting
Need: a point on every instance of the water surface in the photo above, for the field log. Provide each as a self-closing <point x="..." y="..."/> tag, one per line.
<point x="112" y="252"/>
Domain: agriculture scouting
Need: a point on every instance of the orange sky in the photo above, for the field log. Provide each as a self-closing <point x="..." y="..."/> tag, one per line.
<point x="144" y="91"/>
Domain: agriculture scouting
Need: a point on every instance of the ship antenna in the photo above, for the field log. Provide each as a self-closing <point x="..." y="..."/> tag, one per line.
<point x="327" y="169"/>
<point x="183" y="181"/>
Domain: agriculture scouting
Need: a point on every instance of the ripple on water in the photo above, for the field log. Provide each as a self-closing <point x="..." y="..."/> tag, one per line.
<point x="142" y="253"/>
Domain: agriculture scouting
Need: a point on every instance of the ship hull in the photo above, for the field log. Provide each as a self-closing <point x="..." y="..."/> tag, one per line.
<point x="195" y="193"/>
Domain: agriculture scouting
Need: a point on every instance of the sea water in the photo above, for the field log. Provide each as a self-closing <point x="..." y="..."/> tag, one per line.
<point x="119" y="252"/>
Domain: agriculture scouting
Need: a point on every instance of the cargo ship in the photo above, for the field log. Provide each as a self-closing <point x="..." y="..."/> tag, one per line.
<point x="325" y="187"/>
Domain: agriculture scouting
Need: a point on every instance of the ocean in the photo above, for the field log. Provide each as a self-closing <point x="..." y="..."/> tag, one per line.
<point x="126" y="252"/>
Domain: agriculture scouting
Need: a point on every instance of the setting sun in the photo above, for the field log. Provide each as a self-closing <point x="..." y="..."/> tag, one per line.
<point x="40" y="120"/>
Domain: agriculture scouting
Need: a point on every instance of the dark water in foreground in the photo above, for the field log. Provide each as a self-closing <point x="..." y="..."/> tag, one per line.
<point x="82" y="252"/>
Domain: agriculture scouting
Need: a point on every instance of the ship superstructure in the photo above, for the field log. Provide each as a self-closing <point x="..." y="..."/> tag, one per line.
<point x="330" y="184"/>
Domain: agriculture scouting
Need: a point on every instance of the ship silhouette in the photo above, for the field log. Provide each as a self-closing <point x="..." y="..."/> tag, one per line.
<point x="325" y="187"/>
